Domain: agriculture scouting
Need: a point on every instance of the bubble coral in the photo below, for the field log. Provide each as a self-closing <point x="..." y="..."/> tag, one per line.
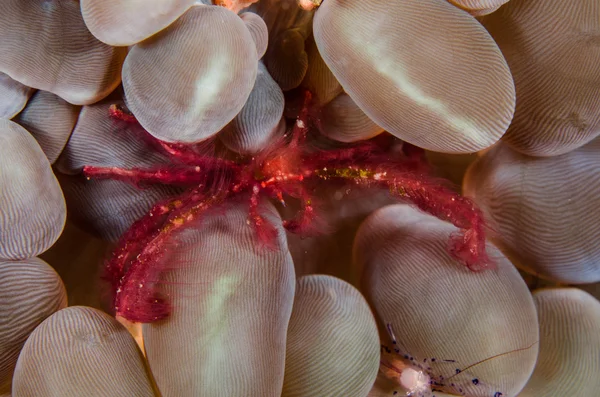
<point x="569" y="344"/>
<point x="289" y="27"/>
<point x="87" y="342"/>
<point x="68" y="61"/>
<point x="405" y="76"/>
<point x="260" y="120"/>
<point x="478" y="7"/>
<point x="28" y="226"/>
<point x="439" y="319"/>
<point x="51" y="120"/>
<point x="205" y="89"/>
<point x="244" y="321"/>
<point x="215" y="296"/>
<point x="544" y="209"/>
<point x="30" y="291"/>
<point x="325" y="303"/>
<point x="124" y="23"/>
<point x="552" y="50"/>
<point x="13" y="96"/>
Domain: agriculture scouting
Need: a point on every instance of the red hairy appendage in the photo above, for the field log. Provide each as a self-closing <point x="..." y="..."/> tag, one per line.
<point x="285" y="169"/>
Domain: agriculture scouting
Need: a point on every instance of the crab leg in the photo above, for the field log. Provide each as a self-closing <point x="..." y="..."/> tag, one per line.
<point x="440" y="201"/>
<point x="136" y="236"/>
<point x="185" y="154"/>
<point x="177" y="151"/>
<point x="265" y="231"/>
<point x="136" y="299"/>
<point x="300" y="130"/>
<point x="304" y="222"/>
<point x="183" y="176"/>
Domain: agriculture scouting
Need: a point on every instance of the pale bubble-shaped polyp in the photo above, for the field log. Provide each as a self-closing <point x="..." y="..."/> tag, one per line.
<point x="438" y="309"/>
<point x="332" y="345"/>
<point x="30" y="291"/>
<point x="544" y="210"/>
<point x="80" y="351"/>
<point x="231" y="303"/>
<point x="425" y="71"/>
<point x="33" y="207"/>
<point x="191" y="79"/>
<point x="46" y="45"/>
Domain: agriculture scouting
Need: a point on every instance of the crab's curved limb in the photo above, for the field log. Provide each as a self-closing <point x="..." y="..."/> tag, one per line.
<point x="305" y="222"/>
<point x="135" y="238"/>
<point x="185" y="154"/>
<point x="179" y="152"/>
<point x="265" y="231"/>
<point x="136" y="298"/>
<point x="468" y="246"/>
<point x="180" y="176"/>
<point x="300" y="129"/>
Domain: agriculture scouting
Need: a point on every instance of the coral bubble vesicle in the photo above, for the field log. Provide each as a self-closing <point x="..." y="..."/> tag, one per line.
<point x="545" y="210"/>
<point x="568" y="363"/>
<point x="425" y="71"/>
<point x="552" y="49"/>
<point x="123" y="23"/>
<point x="343" y="121"/>
<point x="50" y="119"/>
<point x="478" y="7"/>
<point x="30" y="291"/>
<point x="32" y="206"/>
<point x="259" y="121"/>
<point x="13" y="96"/>
<point x="471" y="334"/>
<point x="46" y="45"/>
<point x="258" y="30"/>
<point x="191" y="79"/>
<point x="233" y="306"/>
<point x="331" y="323"/>
<point x="80" y="351"/>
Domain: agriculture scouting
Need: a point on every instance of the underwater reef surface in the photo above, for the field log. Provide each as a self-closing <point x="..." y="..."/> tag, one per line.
<point x="328" y="198"/>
